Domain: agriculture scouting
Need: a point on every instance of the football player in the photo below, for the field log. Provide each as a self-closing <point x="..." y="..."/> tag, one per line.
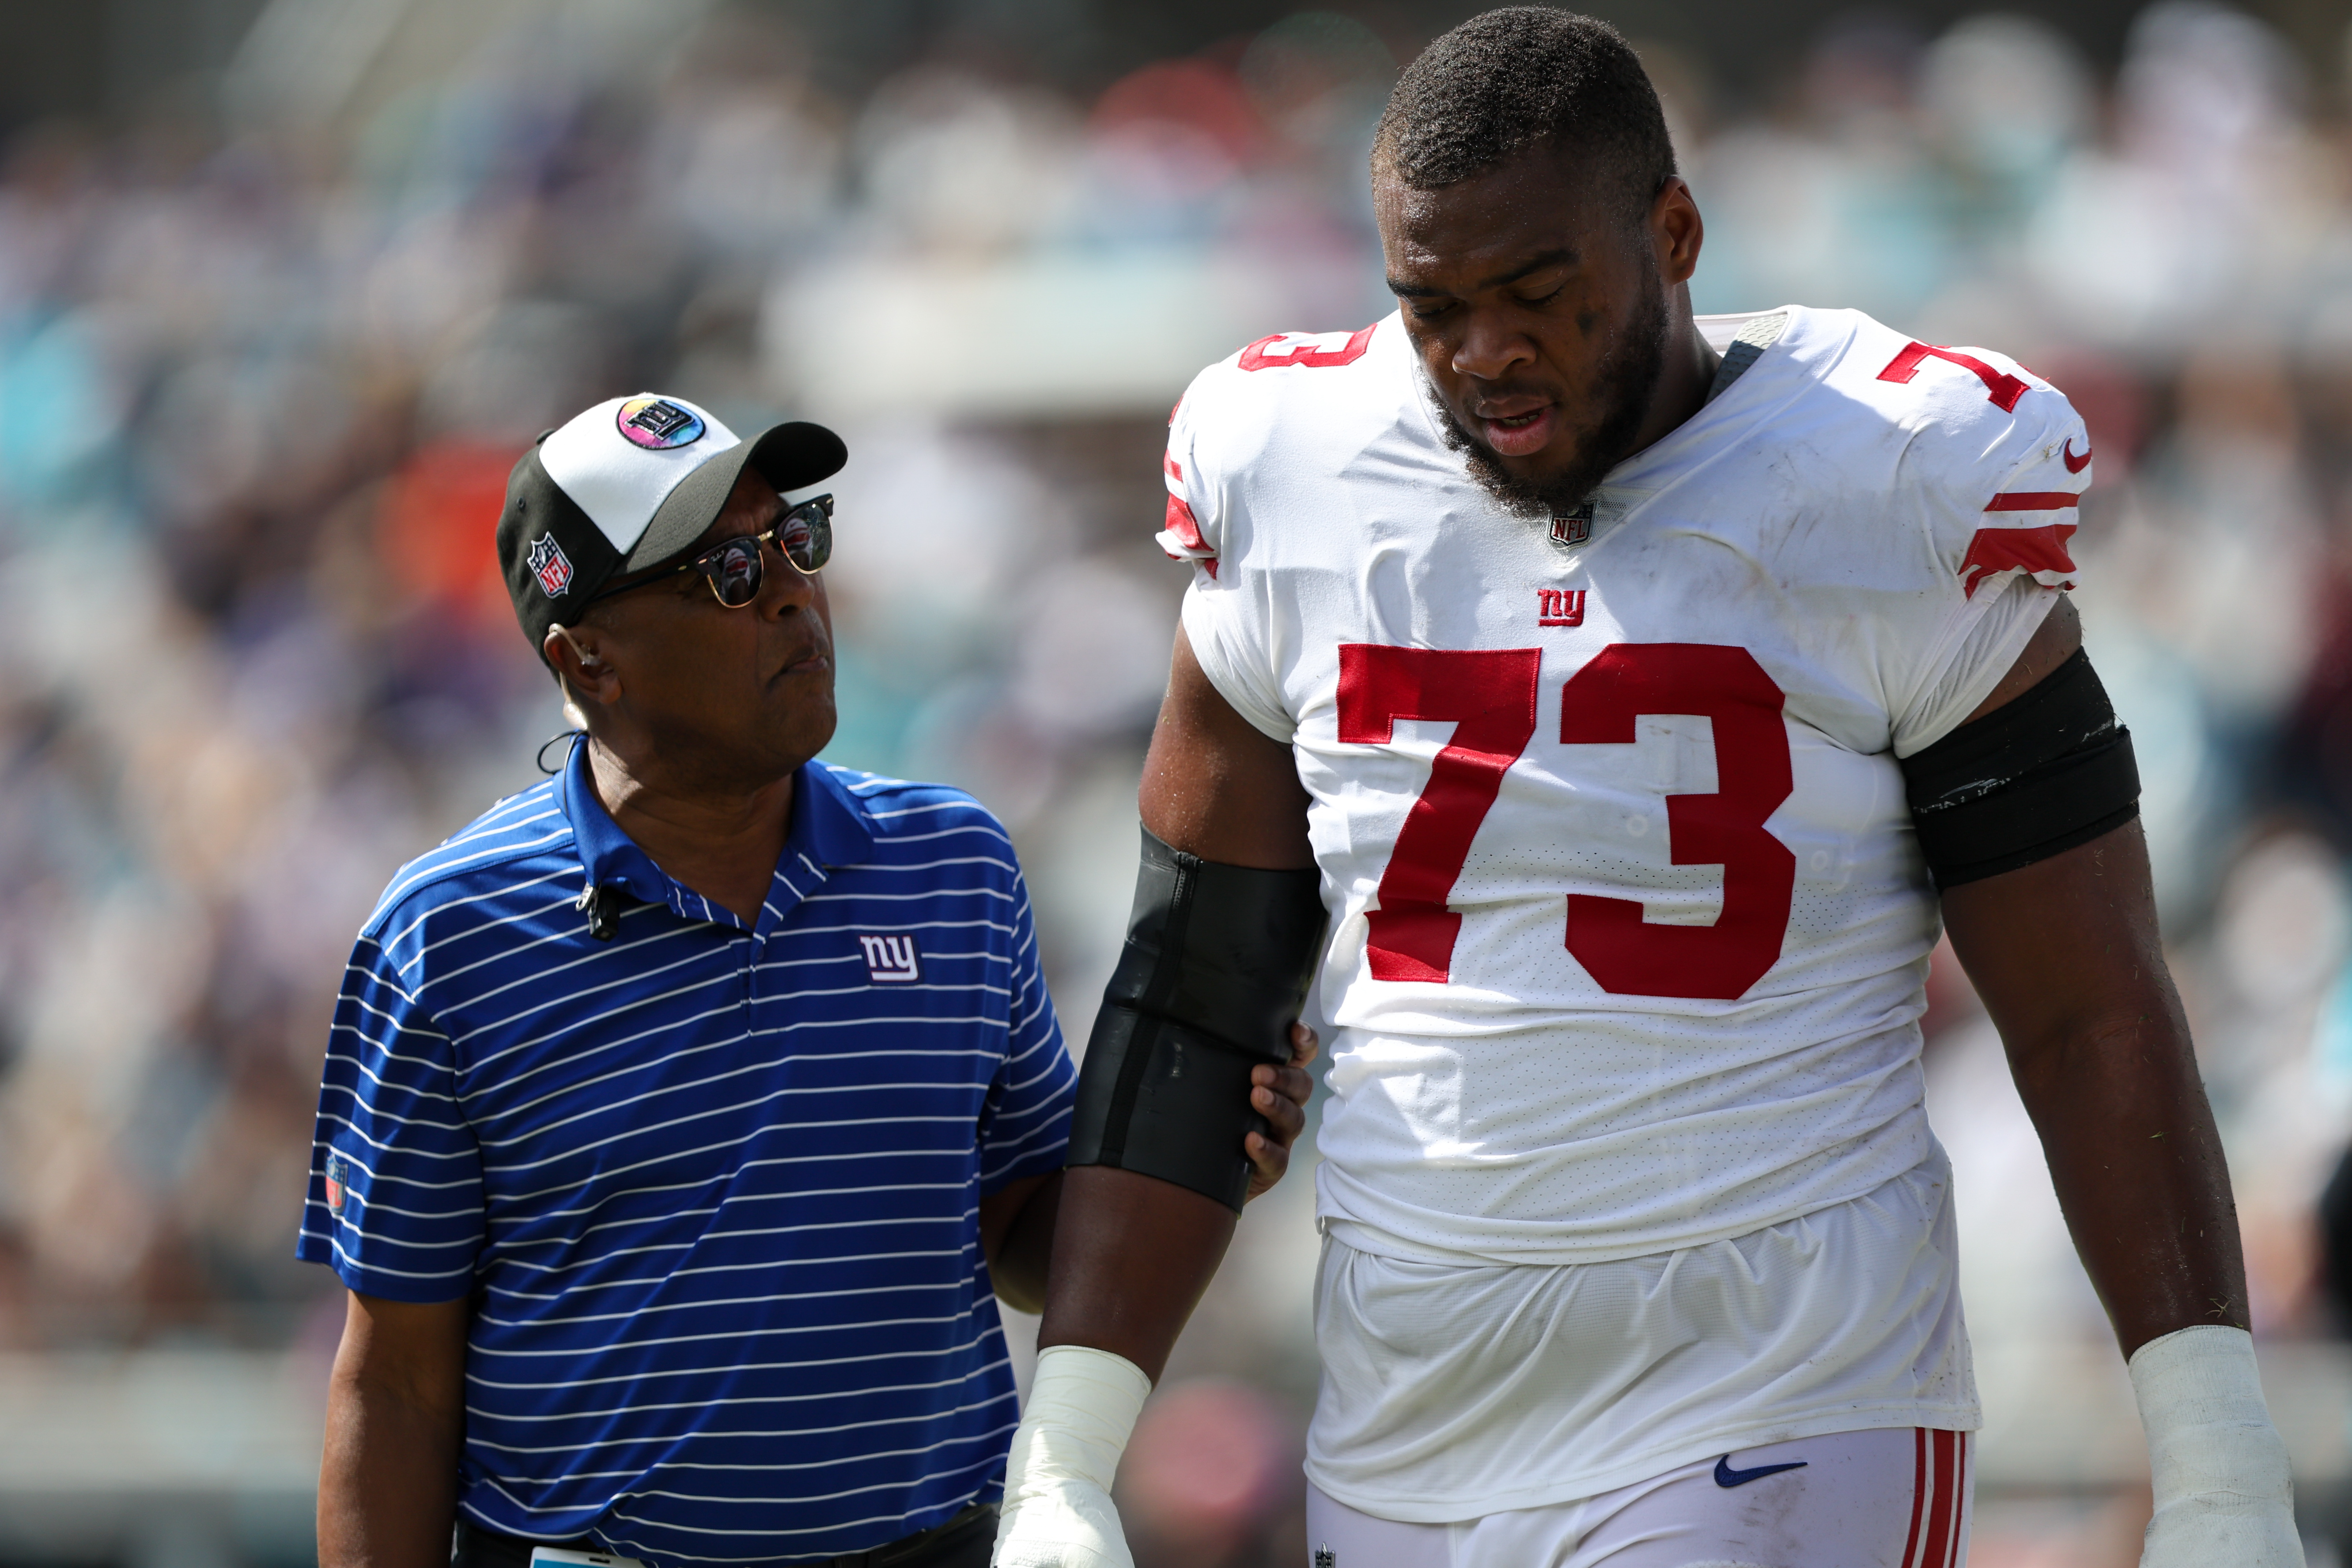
<point x="1638" y="695"/>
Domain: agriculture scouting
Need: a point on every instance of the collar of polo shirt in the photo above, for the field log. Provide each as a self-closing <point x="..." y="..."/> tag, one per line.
<point x="826" y="830"/>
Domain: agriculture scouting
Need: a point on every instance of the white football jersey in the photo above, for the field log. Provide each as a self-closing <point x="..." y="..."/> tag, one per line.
<point x="1630" y="926"/>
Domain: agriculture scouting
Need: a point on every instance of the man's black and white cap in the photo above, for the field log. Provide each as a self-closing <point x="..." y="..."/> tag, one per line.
<point x="628" y="485"/>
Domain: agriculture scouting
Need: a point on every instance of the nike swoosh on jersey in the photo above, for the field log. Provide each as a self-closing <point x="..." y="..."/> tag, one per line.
<point x="1724" y="1476"/>
<point x="2074" y="465"/>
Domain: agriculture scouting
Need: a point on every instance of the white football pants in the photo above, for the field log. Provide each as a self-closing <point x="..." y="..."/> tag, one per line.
<point x="1895" y="1497"/>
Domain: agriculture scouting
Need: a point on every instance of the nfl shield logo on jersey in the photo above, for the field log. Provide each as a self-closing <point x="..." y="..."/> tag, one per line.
<point x="339" y="1175"/>
<point x="1573" y="530"/>
<point x="549" y="565"/>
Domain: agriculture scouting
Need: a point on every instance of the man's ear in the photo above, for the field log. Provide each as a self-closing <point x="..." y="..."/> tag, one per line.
<point x="587" y="677"/>
<point x="1678" y="231"/>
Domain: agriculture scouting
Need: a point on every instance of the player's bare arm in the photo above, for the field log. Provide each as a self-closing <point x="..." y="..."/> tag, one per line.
<point x="1132" y="1250"/>
<point x="2066" y="956"/>
<point x="2066" y="953"/>
<point x="395" y="1419"/>
<point x="1214" y="787"/>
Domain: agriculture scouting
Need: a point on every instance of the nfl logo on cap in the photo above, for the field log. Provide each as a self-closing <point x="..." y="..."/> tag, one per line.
<point x="550" y="565"/>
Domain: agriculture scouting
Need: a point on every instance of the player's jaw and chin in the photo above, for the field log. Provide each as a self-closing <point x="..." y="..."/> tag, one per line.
<point x="1559" y="478"/>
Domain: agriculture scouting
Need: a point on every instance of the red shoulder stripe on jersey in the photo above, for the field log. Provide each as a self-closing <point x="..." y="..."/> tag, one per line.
<point x="1173" y="469"/>
<point x="1184" y="525"/>
<point x="2001" y="388"/>
<point x="2000" y="549"/>
<point x="2034" y="500"/>
<point x="1918" y="1498"/>
<point x="1254" y="357"/>
<point x="1185" y="529"/>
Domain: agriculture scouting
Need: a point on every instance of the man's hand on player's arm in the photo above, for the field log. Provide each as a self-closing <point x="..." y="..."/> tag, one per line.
<point x="1280" y="1095"/>
<point x="1132" y="1253"/>
<point x="395" y="1421"/>
<point x="1017" y="1222"/>
<point x="2066" y="956"/>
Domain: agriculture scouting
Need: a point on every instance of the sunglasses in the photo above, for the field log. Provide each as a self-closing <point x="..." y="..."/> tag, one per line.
<point x="735" y="567"/>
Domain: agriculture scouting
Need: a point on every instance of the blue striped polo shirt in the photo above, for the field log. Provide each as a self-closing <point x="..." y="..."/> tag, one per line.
<point x="714" y="1189"/>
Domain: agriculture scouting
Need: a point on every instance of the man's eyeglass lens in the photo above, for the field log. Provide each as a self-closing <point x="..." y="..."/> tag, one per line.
<point x="803" y="535"/>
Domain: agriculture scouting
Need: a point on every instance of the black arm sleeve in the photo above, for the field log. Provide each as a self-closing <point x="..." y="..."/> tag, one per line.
<point x="1218" y="959"/>
<point x="2032" y="778"/>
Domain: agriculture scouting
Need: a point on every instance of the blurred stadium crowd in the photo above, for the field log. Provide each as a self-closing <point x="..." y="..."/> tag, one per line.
<point x="267" y="381"/>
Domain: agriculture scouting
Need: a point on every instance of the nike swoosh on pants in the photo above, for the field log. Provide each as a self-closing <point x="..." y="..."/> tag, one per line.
<point x="1724" y="1476"/>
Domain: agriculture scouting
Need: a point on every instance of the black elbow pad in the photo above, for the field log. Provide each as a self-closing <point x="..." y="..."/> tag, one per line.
<point x="2031" y="779"/>
<point x="1217" y="962"/>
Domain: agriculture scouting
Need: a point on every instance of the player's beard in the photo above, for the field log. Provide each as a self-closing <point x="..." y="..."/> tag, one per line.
<point x="1623" y="381"/>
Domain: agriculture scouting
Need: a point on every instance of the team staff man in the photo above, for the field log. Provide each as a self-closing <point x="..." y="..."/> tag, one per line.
<point x="680" y="1114"/>
<point x="1639" y="691"/>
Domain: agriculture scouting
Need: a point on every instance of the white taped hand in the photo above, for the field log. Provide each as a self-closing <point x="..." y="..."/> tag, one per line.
<point x="2216" y="1464"/>
<point x="1057" y="1509"/>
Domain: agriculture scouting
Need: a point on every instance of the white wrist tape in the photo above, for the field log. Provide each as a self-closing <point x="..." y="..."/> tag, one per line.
<point x="1058" y="1511"/>
<point x="2217" y="1465"/>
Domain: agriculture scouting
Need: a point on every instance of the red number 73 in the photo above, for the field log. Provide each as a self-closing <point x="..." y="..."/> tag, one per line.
<point x="1489" y="694"/>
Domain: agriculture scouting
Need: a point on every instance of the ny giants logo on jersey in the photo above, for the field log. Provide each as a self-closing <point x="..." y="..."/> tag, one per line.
<point x="1559" y="607"/>
<point x="891" y="959"/>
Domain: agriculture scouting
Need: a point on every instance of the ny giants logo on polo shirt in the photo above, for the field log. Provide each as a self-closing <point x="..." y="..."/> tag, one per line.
<point x="890" y="959"/>
<point x="549" y="565"/>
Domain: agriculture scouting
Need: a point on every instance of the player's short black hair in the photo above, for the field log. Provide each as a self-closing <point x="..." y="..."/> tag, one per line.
<point x="1510" y="80"/>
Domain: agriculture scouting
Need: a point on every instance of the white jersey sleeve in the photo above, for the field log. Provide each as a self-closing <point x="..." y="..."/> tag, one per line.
<point x="2014" y="613"/>
<point x="1216" y="441"/>
<point x="1993" y="474"/>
